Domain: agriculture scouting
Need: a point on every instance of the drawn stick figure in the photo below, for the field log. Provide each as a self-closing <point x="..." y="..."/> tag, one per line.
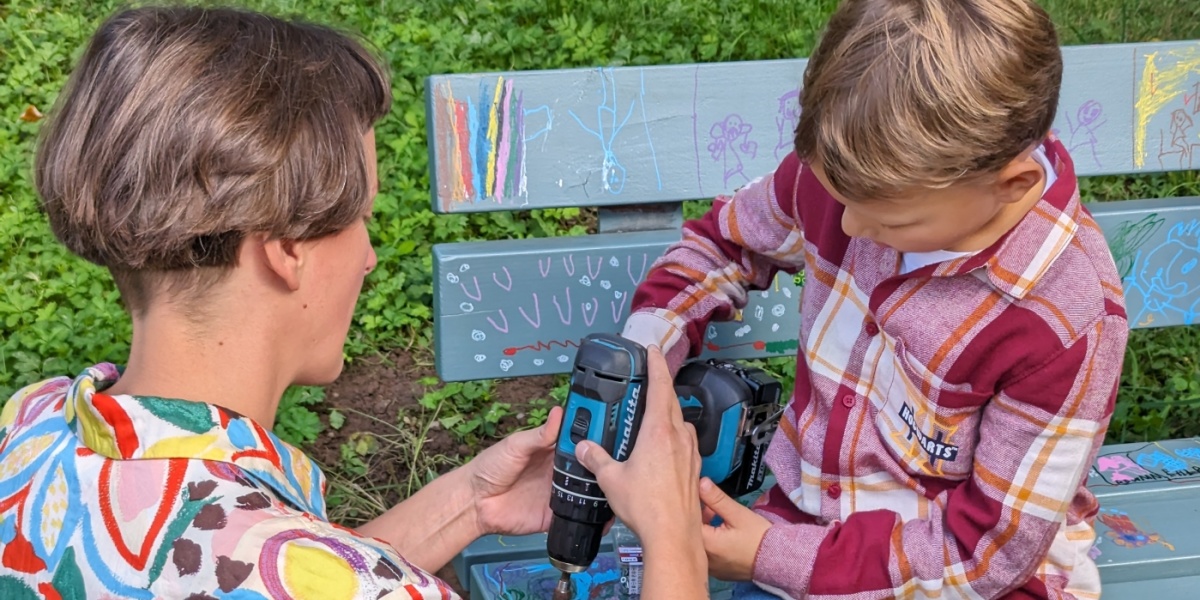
<point x="730" y="141"/>
<point x="1089" y="118"/>
<point x="786" y="121"/>
<point x="1181" y="140"/>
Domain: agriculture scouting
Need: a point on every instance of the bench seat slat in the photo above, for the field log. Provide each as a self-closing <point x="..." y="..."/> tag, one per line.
<point x="629" y="135"/>
<point x="1156" y="486"/>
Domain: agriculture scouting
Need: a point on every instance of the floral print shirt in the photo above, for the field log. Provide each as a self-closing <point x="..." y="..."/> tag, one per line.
<point x="107" y="496"/>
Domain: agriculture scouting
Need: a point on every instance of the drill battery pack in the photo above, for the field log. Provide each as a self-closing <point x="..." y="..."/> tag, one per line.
<point x="735" y="410"/>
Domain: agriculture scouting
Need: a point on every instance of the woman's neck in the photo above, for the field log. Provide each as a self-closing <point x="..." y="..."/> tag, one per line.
<point x="232" y="364"/>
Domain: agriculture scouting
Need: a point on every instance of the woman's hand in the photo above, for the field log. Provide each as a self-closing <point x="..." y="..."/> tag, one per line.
<point x="510" y="481"/>
<point x="506" y="489"/>
<point x="656" y="491"/>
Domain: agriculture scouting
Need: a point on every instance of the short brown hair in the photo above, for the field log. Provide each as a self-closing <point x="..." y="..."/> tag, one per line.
<point x="183" y="129"/>
<point x="924" y="93"/>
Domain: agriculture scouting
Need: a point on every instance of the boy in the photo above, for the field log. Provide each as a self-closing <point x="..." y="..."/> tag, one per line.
<point x="962" y="326"/>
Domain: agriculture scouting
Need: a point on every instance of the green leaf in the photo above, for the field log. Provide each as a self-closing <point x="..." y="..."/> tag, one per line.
<point x="336" y="419"/>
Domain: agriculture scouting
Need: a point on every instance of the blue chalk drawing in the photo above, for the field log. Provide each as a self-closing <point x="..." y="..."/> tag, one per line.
<point x="535" y="580"/>
<point x="1161" y="460"/>
<point x="646" y="125"/>
<point x="608" y="127"/>
<point x="1161" y="284"/>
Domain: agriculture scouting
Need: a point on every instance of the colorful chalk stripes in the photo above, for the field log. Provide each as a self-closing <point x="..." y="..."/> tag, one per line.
<point x="484" y="140"/>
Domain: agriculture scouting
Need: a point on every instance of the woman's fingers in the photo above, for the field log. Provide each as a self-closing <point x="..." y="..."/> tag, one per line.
<point x="530" y="442"/>
<point x="662" y="399"/>
<point x="596" y="460"/>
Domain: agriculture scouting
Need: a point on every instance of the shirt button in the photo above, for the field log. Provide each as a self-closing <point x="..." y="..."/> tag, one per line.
<point x="872" y="328"/>
<point x="848" y="401"/>
<point x="834" y="491"/>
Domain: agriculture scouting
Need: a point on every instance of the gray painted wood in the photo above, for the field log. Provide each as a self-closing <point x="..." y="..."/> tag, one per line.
<point x="1148" y="533"/>
<point x="517" y="307"/>
<point x="1149" y="523"/>
<point x="628" y="135"/>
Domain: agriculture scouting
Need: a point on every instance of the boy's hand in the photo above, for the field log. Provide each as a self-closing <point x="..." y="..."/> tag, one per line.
<point x="733" y="545"/>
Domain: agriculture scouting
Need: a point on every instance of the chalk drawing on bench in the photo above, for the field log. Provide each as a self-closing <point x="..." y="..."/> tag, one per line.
<point x="609" y="124"/>
<point x="1162" y="284"/>
<point x="1166" y="107"/>
<point x="758" y="325"/>
<point x="730" y="141"/>
<point x="1082" y="139"/>
<point x="1148" y="464"/>
<point x="1124" y="532"/>
<point x="525" y="581"/>
<point x="483" y="142"/>
<point x="786" y="121"/>
<point x="506" y="319"/>
<point x="1184" y="145"/>
<point x="1128" y="238"/>
<point x="1161" y="460"/>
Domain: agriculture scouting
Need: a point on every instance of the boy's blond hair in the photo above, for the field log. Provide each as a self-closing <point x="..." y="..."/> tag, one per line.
<point x="903" y="94"/>
<point x="182" y="130"/>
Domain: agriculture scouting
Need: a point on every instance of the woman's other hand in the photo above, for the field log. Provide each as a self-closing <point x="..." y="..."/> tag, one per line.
<point x="511" y="480"/>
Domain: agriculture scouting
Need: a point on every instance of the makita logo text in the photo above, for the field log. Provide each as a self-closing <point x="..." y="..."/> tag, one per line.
<point x="630" y="413"/>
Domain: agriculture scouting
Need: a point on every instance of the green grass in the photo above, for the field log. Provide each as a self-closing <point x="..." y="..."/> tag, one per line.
<point x="58" y="313"/>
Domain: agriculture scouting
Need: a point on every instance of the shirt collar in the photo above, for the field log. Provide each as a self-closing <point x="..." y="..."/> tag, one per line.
<point x="1019" y="259"/>
<point x="142" y="427"/>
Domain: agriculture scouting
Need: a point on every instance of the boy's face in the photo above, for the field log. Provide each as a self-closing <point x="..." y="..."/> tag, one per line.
<point x="958" y="218"/>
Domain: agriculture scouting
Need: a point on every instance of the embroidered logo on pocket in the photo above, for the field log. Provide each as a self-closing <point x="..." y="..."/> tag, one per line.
<point x="936" y="446"/>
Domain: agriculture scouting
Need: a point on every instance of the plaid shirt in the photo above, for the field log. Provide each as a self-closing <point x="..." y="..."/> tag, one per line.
<point x="939" y="436"/>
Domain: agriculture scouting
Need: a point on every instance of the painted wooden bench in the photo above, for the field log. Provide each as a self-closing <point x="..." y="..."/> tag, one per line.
<point x="636" y="142"/>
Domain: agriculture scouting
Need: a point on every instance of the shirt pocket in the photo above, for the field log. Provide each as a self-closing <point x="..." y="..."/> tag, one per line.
<point x="930" y="426"/>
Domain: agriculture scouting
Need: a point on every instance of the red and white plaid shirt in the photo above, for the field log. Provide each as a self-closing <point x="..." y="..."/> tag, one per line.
<point x="939" y="437"/>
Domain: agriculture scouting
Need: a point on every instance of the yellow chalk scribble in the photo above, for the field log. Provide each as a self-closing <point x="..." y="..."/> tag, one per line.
<point x="493" y="130"/>
<point x="1159" y="86"/>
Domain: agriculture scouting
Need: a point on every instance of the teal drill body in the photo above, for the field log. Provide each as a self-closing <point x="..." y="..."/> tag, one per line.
<point x="734" y="409"/>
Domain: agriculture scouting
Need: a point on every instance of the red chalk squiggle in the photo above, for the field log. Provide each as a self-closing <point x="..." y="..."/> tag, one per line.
<point x="539" y="346"/>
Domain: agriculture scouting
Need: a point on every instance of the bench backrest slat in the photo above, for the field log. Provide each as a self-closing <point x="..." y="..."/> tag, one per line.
<point x="517" y="307"/>
<point x="630" y="135"/>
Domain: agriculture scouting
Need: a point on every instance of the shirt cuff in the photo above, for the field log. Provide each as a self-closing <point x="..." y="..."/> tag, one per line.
<point x="649" y="328"/>
<point x="785" y="559"/>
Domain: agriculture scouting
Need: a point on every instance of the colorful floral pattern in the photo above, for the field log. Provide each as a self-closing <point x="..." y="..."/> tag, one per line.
<point x="136" y="497"/>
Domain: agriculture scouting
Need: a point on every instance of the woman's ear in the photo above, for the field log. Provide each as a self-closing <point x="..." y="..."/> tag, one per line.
<point x="285" y="259"/>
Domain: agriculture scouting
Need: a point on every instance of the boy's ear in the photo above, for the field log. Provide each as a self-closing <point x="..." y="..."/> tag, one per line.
<point x="1018" y="177"/>
<point x="285" y="259"/>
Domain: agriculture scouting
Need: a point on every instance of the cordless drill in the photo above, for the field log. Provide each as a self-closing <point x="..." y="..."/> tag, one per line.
<point x="734" y="409"/>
